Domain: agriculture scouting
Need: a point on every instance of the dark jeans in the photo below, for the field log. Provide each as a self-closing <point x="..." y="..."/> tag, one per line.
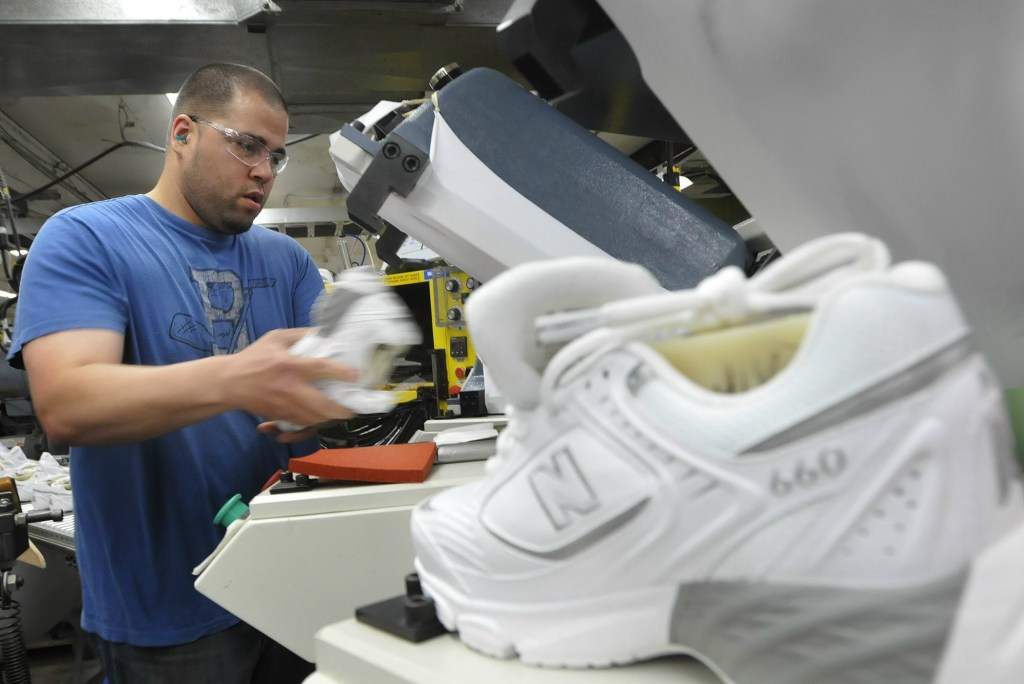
<point x="238" y="655"/>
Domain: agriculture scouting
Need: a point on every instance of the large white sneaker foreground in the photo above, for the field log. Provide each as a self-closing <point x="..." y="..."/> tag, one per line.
<point x="786" y="476"/>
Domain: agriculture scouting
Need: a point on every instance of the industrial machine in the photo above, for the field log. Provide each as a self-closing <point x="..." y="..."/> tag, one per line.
<point x="301" y="560"/>
<point x="14" y="542"/>
<point x="486" y="175"/>
<point x="436" y="296"/>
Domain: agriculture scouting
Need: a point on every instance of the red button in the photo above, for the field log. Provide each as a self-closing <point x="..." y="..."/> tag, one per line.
<point x="460" y="373"/>
<point x="454" y="390"/>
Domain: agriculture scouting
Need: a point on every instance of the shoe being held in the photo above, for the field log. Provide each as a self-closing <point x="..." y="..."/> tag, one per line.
<point x="359" y="321"/>
<point x="786" y="476"/>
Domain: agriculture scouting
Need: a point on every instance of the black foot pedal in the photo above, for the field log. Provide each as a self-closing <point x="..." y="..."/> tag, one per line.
<point x="411" y="617"/>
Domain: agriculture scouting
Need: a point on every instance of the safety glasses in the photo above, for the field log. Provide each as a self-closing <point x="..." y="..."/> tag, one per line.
<point x="247" y="149"/>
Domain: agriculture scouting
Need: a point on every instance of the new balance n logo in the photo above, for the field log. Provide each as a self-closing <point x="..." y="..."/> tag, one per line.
<point x="569" y="496"/>
<point x="562" y="490"/>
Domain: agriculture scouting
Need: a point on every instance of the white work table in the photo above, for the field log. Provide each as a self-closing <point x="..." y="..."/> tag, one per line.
<point x="350" y="652"/>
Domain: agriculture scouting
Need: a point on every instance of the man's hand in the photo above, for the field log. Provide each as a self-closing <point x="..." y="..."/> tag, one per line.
<point x="273" y="429"/>
<point x="269" y="381"/>
<point x="84" y="394"/>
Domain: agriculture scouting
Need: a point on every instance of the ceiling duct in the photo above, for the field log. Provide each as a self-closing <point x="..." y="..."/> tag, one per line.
<point x="133" y="13"/>
<point x="334" y="60"/>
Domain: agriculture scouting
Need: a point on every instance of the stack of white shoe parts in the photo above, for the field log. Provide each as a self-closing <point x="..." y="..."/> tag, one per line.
<point x="786" y="476"/>
<point x="10" y="457"/>
<point x="52" y="489"/>
<point x="28" y="474"/>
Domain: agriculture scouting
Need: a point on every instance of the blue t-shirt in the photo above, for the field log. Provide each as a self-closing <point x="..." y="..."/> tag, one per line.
<point x="144" y="511"/>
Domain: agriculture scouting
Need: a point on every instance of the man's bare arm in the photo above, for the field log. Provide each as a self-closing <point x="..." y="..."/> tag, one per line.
<point x="83" y="394"/>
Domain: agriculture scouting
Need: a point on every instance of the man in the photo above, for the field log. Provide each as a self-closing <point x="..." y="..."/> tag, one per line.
<point x="155" y="332"/>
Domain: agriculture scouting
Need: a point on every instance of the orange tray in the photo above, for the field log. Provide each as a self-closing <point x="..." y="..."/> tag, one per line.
<point x="392" y="463"/>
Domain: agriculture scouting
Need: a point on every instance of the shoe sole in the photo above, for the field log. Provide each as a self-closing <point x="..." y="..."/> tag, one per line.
<point x="612" y="630"/>
<point x="755" y="633"/>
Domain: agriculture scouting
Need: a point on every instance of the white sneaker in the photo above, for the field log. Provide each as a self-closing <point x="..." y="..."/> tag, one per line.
<point x="28" y="473"/>
<point x="53" y="491"/>
<point x="11" y="458"/>
<point x="787" y="476"/>
<point x="362" y="323"/>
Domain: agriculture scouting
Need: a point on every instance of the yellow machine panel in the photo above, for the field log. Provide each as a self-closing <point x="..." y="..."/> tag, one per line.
<point x="437" y="298"/>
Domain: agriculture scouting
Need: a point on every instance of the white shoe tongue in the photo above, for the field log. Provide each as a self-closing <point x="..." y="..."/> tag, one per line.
<point x="502" y="313"/>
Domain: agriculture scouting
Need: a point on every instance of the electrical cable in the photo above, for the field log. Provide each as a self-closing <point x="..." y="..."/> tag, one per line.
<point x="122" y="124"/>
<point x="45" y="166"/>
<point x="7" y="223"/>
<point x="377" y="429"/>
<point x="362" y="242"/>
<point x="308" y="137"/>
<point x="90" y="162"/>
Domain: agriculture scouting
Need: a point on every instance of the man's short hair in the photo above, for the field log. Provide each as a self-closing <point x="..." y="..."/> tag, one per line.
<point x="210" y="89"/>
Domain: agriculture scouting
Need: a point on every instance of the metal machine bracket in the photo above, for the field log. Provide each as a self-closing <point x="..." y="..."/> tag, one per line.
<point x="396" y="167"/>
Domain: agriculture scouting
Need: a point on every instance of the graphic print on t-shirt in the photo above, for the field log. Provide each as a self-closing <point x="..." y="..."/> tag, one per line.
<point x="228" y="325"/>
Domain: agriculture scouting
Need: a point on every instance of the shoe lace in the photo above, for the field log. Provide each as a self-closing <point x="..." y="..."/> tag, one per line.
<point x="793" y="283"/>
<point x="25" y="469"/>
